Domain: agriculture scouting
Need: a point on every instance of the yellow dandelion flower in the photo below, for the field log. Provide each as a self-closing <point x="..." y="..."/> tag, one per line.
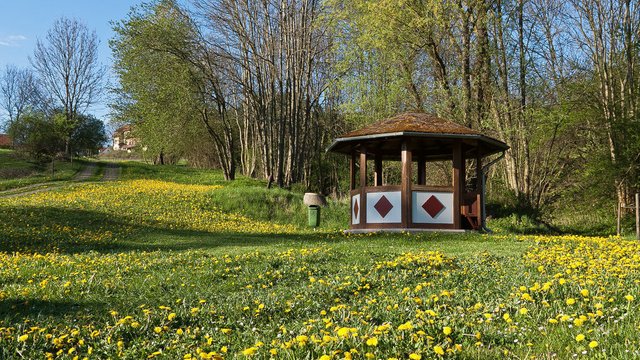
<point x="579" y="337"/>
<point x="447" y="330"/>
<point x="571" y="301"/>
<point x="593" y="344"/>
<point x="249" y="351"/>
<point x="372" y="341"/>
<point x="343" y="332"/>
<point x="302" y="339"/>
<point x="414" y="356"/>
<point x="438" y="350"/>
<point x="523" y="311"/>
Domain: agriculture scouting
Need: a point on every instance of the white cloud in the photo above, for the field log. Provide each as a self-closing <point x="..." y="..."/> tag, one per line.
<point x="12" y="40"/>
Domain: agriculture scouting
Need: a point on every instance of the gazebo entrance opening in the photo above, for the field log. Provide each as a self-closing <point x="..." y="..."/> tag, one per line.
<point x="417" y="142"/>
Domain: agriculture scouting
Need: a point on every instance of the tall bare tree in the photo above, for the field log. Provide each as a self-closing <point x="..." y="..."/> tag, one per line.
<point x="68" y="66"/>
<point x="18" y="92"/>
<point x="276" y="50"/>
<point x="608" y="37"/>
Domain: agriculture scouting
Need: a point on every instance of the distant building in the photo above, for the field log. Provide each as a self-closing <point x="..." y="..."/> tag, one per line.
<point x="5" y="141"/>
<point x="123" y="140"/>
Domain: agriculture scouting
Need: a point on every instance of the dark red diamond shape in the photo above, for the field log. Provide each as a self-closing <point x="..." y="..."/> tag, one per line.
<point x="356" y="208"/>
<point x="432" y="206"/>
<point x="383" y="206"/>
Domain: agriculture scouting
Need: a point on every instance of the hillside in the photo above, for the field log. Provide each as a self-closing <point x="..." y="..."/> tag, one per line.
<point x="16" y="171"/>
<point x="172" y="262"/>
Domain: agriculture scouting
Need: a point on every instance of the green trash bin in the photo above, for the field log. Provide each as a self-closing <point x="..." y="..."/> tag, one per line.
<point x="314" y="215"/>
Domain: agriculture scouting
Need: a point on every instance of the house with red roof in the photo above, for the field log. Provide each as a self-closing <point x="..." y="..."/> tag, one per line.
<point x="5" y="141"/>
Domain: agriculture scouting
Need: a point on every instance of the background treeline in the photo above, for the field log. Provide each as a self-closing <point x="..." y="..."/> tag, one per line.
<point x="262" y="87"/>
<point x="46" y="105"/>
<point x="239" y="85"/>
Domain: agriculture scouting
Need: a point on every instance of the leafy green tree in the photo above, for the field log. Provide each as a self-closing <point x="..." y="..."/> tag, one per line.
<point x="89" y="135"/>
<point x="39" y="136"/>
<point x="159" y="89"/>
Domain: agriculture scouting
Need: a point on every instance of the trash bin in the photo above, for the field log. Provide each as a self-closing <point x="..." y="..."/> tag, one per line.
<point x="314" y="201"/>
<point x="314" y="216"/>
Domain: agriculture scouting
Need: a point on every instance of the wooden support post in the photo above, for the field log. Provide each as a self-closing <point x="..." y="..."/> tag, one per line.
<point x="422" y="171"/>
<point x="478" y="171"/>
<point x="378" y="170"/>
<point x="458" y="183"/>
<point x="637" y="216"/>
<point x="352" y="172"/>
<point x="406" y="186"/>
<point x="363" y="184"/>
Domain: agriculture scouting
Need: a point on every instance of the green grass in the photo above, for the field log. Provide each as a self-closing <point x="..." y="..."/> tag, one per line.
<point x="246" y="196"/>
<point x="172" y="262"/>
<point x="16" y="171"/>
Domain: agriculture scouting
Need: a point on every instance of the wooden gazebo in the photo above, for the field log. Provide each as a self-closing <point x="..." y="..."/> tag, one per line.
<point x="415" y="139"/>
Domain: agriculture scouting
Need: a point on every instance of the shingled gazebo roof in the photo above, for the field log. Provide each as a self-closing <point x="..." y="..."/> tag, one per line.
<point x="429" y="135"/>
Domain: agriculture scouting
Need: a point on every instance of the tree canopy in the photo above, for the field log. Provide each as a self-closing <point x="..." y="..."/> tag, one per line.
<point x="264" y="86"/>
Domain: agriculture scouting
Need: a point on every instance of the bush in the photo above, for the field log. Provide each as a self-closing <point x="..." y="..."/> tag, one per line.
<point x="37" y="135"/>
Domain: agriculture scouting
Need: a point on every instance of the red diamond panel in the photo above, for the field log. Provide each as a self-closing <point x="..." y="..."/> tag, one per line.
<point x="433" y="206"/>
<point x="356" y="208"/>
<point x="383" y="206"/>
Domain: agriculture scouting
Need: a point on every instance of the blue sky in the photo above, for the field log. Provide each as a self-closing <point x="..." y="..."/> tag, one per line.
<point x="22" y="22"/>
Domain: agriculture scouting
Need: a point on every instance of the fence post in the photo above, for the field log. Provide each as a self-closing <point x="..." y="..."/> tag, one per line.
<point x="638" y="216"/>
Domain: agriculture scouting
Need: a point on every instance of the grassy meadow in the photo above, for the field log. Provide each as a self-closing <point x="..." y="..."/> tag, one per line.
<point x="174" y="263"/>
<point x="16" y="171"/>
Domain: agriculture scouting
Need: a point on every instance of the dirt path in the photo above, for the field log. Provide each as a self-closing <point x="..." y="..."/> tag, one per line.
<point x="111" y="173"/>
<point x="86" y="172"/>
<point x="31" y="189"/>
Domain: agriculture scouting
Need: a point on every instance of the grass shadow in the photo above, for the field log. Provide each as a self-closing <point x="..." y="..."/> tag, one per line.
<point x="42" y="229"/>
<point x="19" y="308"/>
